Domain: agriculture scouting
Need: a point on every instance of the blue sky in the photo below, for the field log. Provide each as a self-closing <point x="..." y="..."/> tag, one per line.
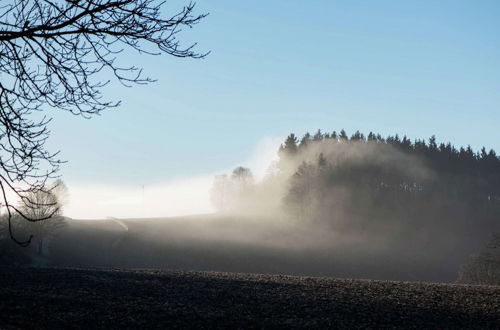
<point x="409" y="67"/>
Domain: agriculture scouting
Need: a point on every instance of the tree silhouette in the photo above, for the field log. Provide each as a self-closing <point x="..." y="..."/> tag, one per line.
<point x="52" y="201"/>
<point x="305" y="141"/>
<point x="53" y="54"/>
<point x="461" y="188"/>
<point x="318" y="136"/>
<point x="228" y="193"/>
<point x="290" y="145"/>
<point x="343" y="135"/>
<point x="242" y="175"/>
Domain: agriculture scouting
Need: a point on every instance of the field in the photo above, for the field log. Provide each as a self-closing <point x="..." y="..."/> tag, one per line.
<point x="253" y="245"/>
<point x="48" y="298"/>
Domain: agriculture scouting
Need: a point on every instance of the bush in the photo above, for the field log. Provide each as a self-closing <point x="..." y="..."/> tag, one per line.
<point x="480" y="269"/>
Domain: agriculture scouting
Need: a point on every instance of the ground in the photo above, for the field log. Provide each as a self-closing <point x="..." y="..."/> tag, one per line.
<point x="48" y="298"/>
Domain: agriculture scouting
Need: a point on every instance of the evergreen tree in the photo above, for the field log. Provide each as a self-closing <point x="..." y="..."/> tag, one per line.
<point x="306" y="139"/>
<point x="459" y="185"/>
<point x="432" y="144"/>
<point x="290" y="146"/>
<point x="343" y="136"/>
<point x="318" y="136"/>
<point x="357" y="136"/>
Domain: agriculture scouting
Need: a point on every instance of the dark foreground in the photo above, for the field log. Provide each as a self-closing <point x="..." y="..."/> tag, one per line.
<point x="73" y="298"/>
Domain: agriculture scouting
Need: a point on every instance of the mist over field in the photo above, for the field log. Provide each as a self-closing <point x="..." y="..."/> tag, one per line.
<point x="184" y="165"/>
<point x="326" y="205"/>
<point x="161" y="198"/>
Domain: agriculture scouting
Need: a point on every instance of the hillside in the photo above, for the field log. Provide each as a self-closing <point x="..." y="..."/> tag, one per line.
<point x="82" y="298"/>
<point x="235" y="244"/>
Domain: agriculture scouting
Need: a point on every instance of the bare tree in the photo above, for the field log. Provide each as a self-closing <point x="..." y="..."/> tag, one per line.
<point x="53" y="55"/>
<point x="243" y="176"/>
<point x="229" y="193"/>
<point x="46" y="205"/>
<point x="219" y="192"/>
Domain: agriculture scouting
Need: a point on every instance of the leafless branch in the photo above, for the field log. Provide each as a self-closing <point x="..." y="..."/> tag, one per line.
<point x="53" y="54"/>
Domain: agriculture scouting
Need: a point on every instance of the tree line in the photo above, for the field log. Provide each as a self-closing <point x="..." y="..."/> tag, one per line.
<point x="375" y="180"/>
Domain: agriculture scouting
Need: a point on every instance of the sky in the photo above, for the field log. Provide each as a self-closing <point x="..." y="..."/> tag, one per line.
<point x="409" y="67"/>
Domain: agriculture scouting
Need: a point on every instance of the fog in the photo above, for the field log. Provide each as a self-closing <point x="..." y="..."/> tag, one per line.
<point x="164" y="198"/>
<point x="360" y="209"/>
<point x="176" y="197"/>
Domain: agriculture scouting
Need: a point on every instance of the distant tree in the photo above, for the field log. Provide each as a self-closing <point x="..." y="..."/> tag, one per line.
<point x="290" y="146"/>
<point x="44" y="204"/>
<point x="306" y="194"/>
<point x="357" y="136"/>
<point x="53" y="56"/>
<point x="343" y="136"/>
<point x="484" y="267"/>
<point x="432" y="144"/>
<point x="220" y="192"/>
<point x="322" y="162"/>
<point x="229" y="193"/>
<point x="242" y="178"/>
<point x="406" y="144"/>
<point x="318" y="136"/>
<point x="304" y="142"/>
<point x="303" y="191"/>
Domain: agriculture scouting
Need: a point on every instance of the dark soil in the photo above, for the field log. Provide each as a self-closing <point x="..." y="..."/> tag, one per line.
<point x="38" y="298"/>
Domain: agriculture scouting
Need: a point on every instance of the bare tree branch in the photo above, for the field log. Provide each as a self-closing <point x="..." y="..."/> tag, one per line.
<point x="52" y="53"/>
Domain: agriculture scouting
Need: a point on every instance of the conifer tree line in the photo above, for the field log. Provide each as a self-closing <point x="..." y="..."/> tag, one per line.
<point x="371" y="180"/>
<point x="389" y="187"/>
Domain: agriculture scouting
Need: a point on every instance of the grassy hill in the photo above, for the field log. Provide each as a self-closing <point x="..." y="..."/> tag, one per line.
<point x="249" y="245"/>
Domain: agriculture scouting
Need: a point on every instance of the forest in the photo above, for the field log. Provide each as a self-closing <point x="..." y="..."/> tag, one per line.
<point x="391" y="179"/>
<point x="411" y="181"/>
<point x="331" y="205"/>
<point x="387" y="194"/>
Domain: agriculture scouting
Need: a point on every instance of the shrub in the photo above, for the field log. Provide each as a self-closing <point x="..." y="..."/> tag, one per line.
<point x="480" y="269"/>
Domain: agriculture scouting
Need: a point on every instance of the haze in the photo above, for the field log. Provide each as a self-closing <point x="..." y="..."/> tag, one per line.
<point x="414" y="68"/>
<point x="317" y="138"/>
<point x="250" y="164"/>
